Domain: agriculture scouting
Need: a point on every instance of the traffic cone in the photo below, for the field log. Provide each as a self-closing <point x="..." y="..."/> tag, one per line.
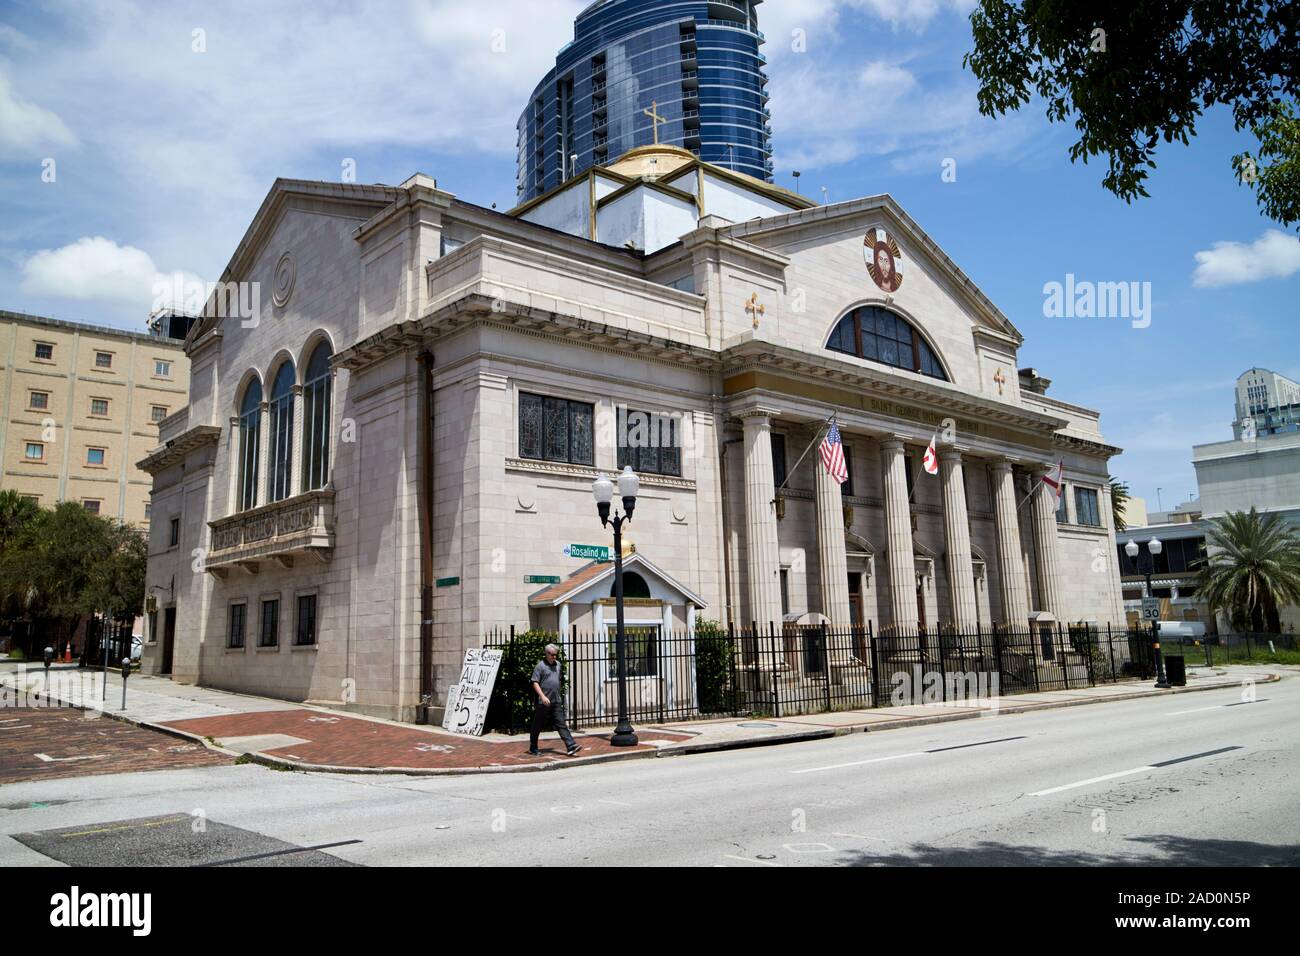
<point x="67" y="652"/>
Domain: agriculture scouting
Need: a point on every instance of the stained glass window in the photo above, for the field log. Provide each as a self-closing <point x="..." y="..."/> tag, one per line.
<point x="556" y="429"/>
<point x="881" y="336"/>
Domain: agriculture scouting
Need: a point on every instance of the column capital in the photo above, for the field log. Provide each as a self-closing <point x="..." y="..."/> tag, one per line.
<point x="751" y="412"/>
<point x="892" y="442"/>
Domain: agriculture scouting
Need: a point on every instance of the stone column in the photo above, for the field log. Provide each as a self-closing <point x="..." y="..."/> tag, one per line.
<point x="1011" y="570"/>
<point x="956" y="534"/>
<point x="761" y="548"/>
<point x="1046" y="550"/>
<point x="832" y="564"/>
<point x="295" y="447"/>
<point x="264" y="455"/>
<point x="898" y="532"/>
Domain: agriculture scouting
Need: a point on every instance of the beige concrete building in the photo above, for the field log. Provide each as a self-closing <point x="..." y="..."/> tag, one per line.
<point x="80" y="407"/>
<point x="396" y="455"/>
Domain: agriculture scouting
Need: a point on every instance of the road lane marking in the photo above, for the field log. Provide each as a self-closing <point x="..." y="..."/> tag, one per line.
<point x="745" y="859"/>
<point x="1159" y="765"/>
<point x="1197" y="710"/>
<point x="916" y="753"/>
<point x="859" y="763"/>
<point x="126" y="826"/>
<point x="859" y="836"/>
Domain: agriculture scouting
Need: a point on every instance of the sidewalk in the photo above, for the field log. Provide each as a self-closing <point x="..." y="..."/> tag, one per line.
<point x="315" y="738"/>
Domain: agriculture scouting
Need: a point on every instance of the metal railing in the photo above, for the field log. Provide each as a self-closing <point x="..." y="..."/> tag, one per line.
<point x="777" y="670"/>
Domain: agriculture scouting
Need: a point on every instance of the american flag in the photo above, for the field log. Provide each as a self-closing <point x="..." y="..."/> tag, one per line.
<point x="833" y="455"/>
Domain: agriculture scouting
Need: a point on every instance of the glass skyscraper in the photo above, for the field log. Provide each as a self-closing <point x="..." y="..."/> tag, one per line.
<point x="696" y="61"/>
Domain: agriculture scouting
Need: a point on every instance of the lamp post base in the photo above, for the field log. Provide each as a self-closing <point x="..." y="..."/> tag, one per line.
<point x="624" y="736"/>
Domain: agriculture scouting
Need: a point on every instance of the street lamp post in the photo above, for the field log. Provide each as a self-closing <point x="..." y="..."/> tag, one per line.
<point x="602" y="489"/>
<point x="1154" y="547"/>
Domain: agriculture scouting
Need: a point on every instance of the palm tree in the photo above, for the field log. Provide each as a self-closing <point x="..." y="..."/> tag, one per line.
<point x="1253" y="569"/>
<point x="15" y="512"/>
<point x="1119" y="497"/>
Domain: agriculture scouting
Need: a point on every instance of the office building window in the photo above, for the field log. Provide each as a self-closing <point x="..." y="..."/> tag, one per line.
<point x="162" y="369"/>
<point x="35" y="451"/>
<point x="44" y="351"/>
<point x="91" y="505"/>
<point x="103" y="360"/>
<point x="39" y="400"/>
<point x="157" y="413"/>
<point x="95" y="456"/>
<point x="99" y="407"/>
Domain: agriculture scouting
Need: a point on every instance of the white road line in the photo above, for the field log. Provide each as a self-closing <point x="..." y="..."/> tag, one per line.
<point x="1084" y="783"/>
<point x="859" y="763"/>
<point x="1197" y="710"/>
<point x="859" y="836"/>
<point x="745" y="859"/>
<point x="615" y="803"/>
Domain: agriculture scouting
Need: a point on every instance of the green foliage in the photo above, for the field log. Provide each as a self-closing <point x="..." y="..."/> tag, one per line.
<point x="512" y="695"/>
<point x="714" y="653"/>
<point x="1119" y="497"/>
<point x="15" y="653"/>
<point x="1276" y="183"/>
<point x="65" y="562"/>
<point x="1252" y="571"/>
<point x="1131" y="75"/>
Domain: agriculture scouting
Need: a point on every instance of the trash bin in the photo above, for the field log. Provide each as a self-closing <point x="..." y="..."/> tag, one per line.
<point x="1176" y="670"/>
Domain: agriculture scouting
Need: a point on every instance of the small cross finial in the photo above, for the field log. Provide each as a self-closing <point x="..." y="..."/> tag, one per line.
<point x="1000" y="379"/>
<point x="755" y="308"/>
<point x="656" y="119"/>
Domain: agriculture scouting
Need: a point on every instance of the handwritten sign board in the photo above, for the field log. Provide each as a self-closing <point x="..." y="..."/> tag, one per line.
<point x="468" y="698"/>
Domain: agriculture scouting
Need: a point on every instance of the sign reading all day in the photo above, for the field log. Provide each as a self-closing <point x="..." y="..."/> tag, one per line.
<point x="1150" y="609"/>
<point x="592" y="552"/>
<point x="468" y="698"/>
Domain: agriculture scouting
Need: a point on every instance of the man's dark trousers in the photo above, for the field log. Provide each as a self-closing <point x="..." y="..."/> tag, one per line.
<point x="553" y="714"/>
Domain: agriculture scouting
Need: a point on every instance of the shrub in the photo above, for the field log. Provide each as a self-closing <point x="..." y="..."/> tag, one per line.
<point x="714" y="652"/>
<point x="511" y="707"/>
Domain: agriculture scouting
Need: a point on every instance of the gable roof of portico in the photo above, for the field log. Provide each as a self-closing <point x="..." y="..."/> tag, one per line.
<point x="590" y="575"/>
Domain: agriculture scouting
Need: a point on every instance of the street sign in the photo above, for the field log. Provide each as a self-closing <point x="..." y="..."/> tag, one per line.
<point x="541" y="579"/>
<point x="592" y="552"/>
<point x="1150" y="609"/>
<point x="447" y="582"/>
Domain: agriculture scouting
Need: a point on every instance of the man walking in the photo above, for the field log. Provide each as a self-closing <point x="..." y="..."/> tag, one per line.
<point x="549" y="708"/>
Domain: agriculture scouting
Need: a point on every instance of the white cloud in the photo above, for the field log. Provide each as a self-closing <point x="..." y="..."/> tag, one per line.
<point x="819" y="19"/>
<point x="1274" y="255"/>
<point x="25" y="127"/>
<point x="98" y="270"/>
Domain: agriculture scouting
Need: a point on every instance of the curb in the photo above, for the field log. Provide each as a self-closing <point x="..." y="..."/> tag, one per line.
<point x="682" y="750"/>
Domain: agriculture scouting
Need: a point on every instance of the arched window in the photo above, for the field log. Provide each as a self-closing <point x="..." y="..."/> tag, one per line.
<point x="881" y="336"/>
<point x="634" y="586"/>
<point x="250" y="440"/>
<point x="316" y="419"/>
<point x="280" y="450"/>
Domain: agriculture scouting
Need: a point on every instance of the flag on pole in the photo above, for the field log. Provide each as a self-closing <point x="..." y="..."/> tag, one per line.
<point x="832" y="451"/>
<point x="1053" y="479"/>
<point x="931" y="461"/>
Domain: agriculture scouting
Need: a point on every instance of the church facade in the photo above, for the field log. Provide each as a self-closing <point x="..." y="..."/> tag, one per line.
<point x="395" y="457"/>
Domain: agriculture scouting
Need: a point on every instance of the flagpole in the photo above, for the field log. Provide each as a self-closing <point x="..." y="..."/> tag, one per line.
<point x="816" y="436"/>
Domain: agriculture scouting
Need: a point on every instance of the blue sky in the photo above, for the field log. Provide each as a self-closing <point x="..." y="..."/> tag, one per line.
<point x="167" y="124"/>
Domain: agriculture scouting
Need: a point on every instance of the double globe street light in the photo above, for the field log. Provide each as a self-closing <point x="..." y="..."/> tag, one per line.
<point x="602" y="489"/>
<point x="1146" y="568"/>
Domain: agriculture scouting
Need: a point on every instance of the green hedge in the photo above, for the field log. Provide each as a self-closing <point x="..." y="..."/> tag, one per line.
<point x="511" y="707"/>
<point x="714" y="653"/>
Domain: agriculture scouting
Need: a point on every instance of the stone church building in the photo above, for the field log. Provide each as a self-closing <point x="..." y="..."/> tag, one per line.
<point x="395" y="456"/>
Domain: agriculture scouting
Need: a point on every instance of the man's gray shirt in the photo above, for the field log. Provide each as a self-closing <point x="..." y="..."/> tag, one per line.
<point x="547" y="676"/>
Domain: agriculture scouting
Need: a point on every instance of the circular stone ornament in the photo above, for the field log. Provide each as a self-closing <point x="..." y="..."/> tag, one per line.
<point x="286" y="274"/>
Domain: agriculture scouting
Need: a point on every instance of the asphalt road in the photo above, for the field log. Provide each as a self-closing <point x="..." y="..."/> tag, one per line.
<point x="1197" y="779"/>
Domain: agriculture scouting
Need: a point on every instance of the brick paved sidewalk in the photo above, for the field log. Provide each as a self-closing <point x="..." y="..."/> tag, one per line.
<point x="346" y="741"/>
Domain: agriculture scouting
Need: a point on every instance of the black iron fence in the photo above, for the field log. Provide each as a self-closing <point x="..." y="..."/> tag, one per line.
<point x="784" y="670"/>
